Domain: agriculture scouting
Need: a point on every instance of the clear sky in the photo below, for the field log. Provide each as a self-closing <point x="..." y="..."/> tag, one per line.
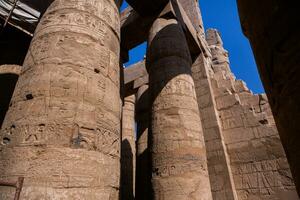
<point x="223" y="15"/>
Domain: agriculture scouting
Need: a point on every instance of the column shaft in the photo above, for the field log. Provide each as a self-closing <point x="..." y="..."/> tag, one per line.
<point x="64" y="120"/>
<point x="128" y="150"/>
<point x="179" y="164"/>
<point x="143" y="161"/>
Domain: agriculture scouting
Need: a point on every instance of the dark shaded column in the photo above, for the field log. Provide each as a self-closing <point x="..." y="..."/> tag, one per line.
<point x="128" y="150"/>
<point x="179" y="164"/>
<point x="9" y="75"/>
<point x="143" y="159"/>
<point x="63" y="125"/>
<point x="273" y="30"/>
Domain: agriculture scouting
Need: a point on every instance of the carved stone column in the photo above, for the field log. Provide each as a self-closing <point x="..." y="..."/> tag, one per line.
<point x="128" y="150"/>
<point x="143" y="162"/>
<point x="64" y="121"/>
<point x="179" y="164"/>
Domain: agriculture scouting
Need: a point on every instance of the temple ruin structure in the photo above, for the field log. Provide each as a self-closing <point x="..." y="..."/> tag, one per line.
<point x="178" y="125"/>
<point x="277" y="55"/>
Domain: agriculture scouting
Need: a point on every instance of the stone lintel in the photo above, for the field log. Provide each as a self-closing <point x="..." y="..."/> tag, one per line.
<point x="134" y="77"/>
<point x="190" y="32"/>
<point x="135" y="28"/>
<point x="148" y="7"/>
<point x="10" y="69"/>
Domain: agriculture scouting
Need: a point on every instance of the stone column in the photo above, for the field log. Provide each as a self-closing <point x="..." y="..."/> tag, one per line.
<point x="179" y="164"/>
<point x="143" y="162"/>
<point x="273" y="30"/>
<point x="64" y="121"/>
<point x="128" y="150"/>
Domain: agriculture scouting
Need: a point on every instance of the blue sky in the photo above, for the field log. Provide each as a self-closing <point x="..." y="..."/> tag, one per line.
<point x="223" y="15"/>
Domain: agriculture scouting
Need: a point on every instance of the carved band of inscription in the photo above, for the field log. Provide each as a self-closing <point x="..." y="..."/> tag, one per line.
<point x="100" y="139"/>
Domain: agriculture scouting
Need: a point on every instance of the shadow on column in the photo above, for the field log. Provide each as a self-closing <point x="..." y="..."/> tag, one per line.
<point x="169" y="64"/>
<point x="143" y="156"/>
<point x="126" y="171"/>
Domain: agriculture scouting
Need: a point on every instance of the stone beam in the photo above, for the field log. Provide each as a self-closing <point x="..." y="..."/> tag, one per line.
<point x="135" y="28"/>
<point x="134" y="77"/>
<point x="193" y="41"/>
<point x="10" y="69"/>
<point x="148" y="7"/>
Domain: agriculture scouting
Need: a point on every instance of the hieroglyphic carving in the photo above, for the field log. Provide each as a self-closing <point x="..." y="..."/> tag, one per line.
<point x="66" y="106"/>
<point x="257" y="160"/>
<point x="102" y="140"/>
<point x="179" y="166"/>
<point x="179" y="86"/>
<point x="108" y="141"/>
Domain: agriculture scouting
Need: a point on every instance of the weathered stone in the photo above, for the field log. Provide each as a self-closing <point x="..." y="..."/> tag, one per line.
<point x="277" y="56"/>
<point x="216" y="150"/>
<point x="128" y="149"/>
<point x="179" y="165"/>
<point x="10" y="69"/>
<point x="192" y="9"/>
<point x="135" y="76"/>
<point x="62" y="131"/>
<point x="227" y="101"/>
<point x="251" y="138"/>
<point x="63" y="125"/>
